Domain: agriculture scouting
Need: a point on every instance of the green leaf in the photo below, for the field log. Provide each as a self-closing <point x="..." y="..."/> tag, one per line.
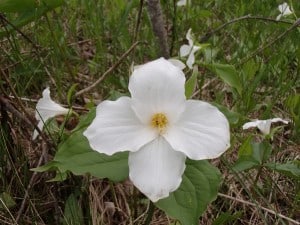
<point x="70" y="94"/>
<point x="233" y="117"/>
<point x="75" y="155"/>
<point x="227" y="218"/>
<point x="200" y="184"/>
<point x="73" y="213"/>
<point x="190" y="85"/>
<point x="291" y="169"/>
<point x="6" y="201"/>
<point x="228" y="74"/>
<point x="252" y="154"/>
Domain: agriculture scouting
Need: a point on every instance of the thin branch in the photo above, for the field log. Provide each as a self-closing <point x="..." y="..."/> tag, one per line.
<point x="261" y="48"/>
<point x="138" y="22"/>
<point x="2" y="17"/>
<point x="30" y="185"/>
<point x="87" y="89"/>
<point x="20" y="104"/>
<point x="260" y="207"/>
<point x="205" y="37"/>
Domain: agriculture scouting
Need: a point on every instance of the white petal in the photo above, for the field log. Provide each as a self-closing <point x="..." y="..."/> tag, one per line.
<point x="185" y="50"/>
<point x="116" y="128"/>
<point x="201" y="133"/>
<point x="45" y="109"/>
<point x="275" y="120"/>
<point x="181" y="3"/>
<point x="177" y="63"/>
<point x="251" y="124"/>
<point x="157" y="87"/>
<point x="191" y="59"/>
<point x="264" y="126"/>
<point x="156" y="169"/>
<point x="189" y="37"/>
<point x="284" y="9"/>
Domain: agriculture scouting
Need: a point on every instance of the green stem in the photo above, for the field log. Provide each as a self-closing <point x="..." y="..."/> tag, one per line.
<point x="150" y="213"/>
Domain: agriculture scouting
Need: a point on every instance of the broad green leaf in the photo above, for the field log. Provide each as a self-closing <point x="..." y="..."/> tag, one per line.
<point x="6" y="201"/>
<point x="190" y="85"/>
<point x="73" y="212"/>
<point x="291" y="169"/>
<point x="200" y="184"/>
<point x="252" y="154"/>
<point x="75" y="155"/>
<point x="249" y="69"/>
<point x="228" y="74"/>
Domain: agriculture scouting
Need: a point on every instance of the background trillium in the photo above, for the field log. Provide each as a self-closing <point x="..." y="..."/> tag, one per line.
<point x="263" y="125"/>
<point x="284" y="10"/>
<point x="46" y="108"/>
<point x="159" y="127"/>
<point x="189" y="50"/>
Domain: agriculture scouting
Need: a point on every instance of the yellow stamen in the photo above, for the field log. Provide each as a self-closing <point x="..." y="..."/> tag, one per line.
<point x="159" y="121"/>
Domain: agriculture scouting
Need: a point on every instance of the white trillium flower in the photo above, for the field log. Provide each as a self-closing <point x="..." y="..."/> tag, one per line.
<point x="46" y="108"/>
<point x="182" y="2"/>
<point x="159" y="128"/>
<point x="189" y="50"/>
<point x="264" y="125"/>
<point x="284" y="10"/>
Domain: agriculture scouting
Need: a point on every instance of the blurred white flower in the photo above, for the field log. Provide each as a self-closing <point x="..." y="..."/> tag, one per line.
<point x="182" y="2"/>
<point x="45" y="109"/>
<point x="177" y="63"/>
<point x="189" y="50"/>
<point x="284" y="10"/>
<point x="264" y="125"/>
<point x="159" y="128"/>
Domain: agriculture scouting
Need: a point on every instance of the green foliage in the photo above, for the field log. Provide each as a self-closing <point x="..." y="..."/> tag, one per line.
<point x="228" y="74"/>
<point x="27" y="10"/>
<point x="291" y="168"/>
<point x="75" y="155"/>
<point x="199" y="187"/>
<point x="73" y="212"/>
<point x="6" y="201"/>
<point x="293" y="105"/>
<point x="227" y="218"/>
<point x="190" y="84"/>
<point x="252" y="154"/>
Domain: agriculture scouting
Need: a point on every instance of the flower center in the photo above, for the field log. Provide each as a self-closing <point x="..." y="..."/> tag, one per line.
<point x="159" y="121"/>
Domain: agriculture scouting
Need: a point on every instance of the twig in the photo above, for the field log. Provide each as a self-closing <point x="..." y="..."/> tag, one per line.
<point x="8" y="211"/>
<point x="260" y="207"/>
<point x="108" y="71"/>
<point x="260" y="49"/>
<point x="30" y="185"/>
<point x="2" y="17"/>
<point x="13" y="110"/>
<point x="158" y="26"/>
<point x="205" y="37"/>
<point x="138" y="22"/>
<point x="20" y="104"/>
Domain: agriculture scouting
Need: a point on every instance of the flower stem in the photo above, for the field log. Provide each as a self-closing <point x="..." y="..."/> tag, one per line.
<point x="149" y="213"/>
